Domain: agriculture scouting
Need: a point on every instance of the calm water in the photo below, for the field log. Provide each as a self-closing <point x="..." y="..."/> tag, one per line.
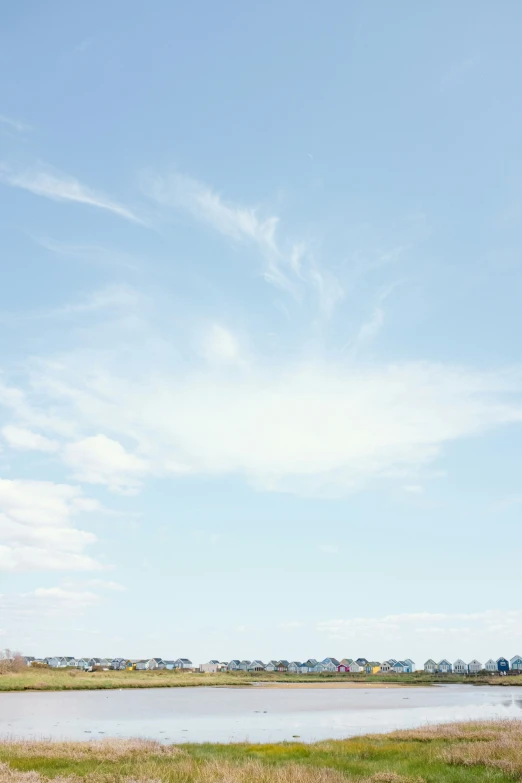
<point x="253" y="714"/>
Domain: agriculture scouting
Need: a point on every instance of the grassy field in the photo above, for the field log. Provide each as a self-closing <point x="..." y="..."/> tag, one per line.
<point x="44" y="679"/>
<point x="455" y="753"/>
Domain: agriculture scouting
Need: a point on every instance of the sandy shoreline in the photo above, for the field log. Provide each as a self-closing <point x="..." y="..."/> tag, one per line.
<point x="361" y="685"/>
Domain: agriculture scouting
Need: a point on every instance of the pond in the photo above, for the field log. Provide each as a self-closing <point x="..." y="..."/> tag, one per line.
<point x="253" y="714"/>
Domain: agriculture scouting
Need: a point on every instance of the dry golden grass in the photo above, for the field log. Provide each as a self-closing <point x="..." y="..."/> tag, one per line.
<point x="499" y="747"/>
<point x="100" y="750"/>
<point x="454" y="732"/>
<point x="190" y="771"/>
<point x="8" y="775"/>
<point x="473" y="752"/>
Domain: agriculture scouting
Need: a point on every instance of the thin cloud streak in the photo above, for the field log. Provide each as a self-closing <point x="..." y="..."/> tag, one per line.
<point x="289" y="266"/>
<point x="61" y="187"/>
<point x="14" y="124"/>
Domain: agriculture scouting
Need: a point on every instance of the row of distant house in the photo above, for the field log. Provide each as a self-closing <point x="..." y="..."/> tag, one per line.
<point x="501" y="665"/>
<point x="140" y="664"/>
<point x="310" y="666"/>
<point x="362" y="665"/>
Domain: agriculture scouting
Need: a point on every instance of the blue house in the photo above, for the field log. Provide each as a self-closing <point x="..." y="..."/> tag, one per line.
<point x="403" y="667"/>
<point x="502" y="665"/>
<point x="444" y="667"/>
<point x="516" y="663"/>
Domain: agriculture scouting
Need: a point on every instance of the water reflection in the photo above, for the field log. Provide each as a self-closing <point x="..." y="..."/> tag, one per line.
<point x="247" y="714"/>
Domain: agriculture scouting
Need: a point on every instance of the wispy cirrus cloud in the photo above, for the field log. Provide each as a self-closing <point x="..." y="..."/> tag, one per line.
<point x="487" y="633"/>
<point x="58" y="186"/>
<point x="288" y="265"/>
<point x="11" y="123"/>
<point x="90" y="253"/>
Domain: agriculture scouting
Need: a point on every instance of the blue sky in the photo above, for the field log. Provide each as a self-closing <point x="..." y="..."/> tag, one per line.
<point x="260" y="368"/>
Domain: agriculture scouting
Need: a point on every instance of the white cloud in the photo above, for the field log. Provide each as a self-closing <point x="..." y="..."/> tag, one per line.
<point x="18" y="402"/>
<point x="220" y="345"/>
<point x="436" y="634"/>
<point x="90" y="253"/>
<point x="66" y="597"/>
<point x="101" y="460"/>
<point x="26" y="440"/>
<point x="21" y="558"/>
<point x="370" y="328"/>
<point x="36" y="530"/>
<point x="61" y="187"/>
<point x="100" y="584"/>
<point x="31" y="611"/>
<point x="112" y="297"/>
<point x="232" y="220"/>
<point x="14" y="124"/>
<point x="312" y="428"/>
<point x="289" y="266"/>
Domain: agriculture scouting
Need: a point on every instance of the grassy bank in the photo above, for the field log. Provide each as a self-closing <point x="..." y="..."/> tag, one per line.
<point x="455" y="753"/>
<point x="44" y="679"/>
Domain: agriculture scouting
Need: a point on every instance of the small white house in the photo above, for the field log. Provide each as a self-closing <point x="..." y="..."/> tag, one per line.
<point x="474" y="666"/>
<point x="271" y="666"/>
<point x="491" y="665"/>
<point x="256" y="666"/>
<point x="293" y="667"/>
<point x="233" y="665"/>
<point x="386" y="667"/>
<point x="356" y="668"/>
<point x="318" y="668"/>
<point x="146" y="664"/>
<point x="243" y="665"/>
<point x="430" y="667"/>
<point x="444" y="667"/>
<point x="460" y="667"/>
<point x="210" y="668"/>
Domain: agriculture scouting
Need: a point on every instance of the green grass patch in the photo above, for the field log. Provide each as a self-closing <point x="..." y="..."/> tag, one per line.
<point x="459" y="753"/>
